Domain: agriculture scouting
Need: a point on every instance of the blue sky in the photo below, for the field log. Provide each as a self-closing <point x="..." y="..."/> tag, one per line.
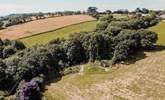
<point x="20" y="6"/>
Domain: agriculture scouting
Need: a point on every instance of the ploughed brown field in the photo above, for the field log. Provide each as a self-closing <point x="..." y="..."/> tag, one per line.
<point x="39" y="26"/>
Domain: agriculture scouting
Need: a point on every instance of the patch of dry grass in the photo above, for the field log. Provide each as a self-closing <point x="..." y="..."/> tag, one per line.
<point x="143" y="80"/>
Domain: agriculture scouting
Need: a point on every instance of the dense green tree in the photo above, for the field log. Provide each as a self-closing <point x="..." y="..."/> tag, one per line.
<point x="107" y="18"/>
<point x="57" y="41"/>
<point x="122" y="11"/>
<point x="108" y="12"/>
<point x="138" y="10"/>
<point x="18" y="45"/>
<point x="1" y="52"/>
<point x="92" y="10"/>
<point x="58" y="53"/>
<point x="148" y="38"/>
<point x="8" y="51"/>
<point x="6" y="42"/>
<point x="113" y="30"/>
<point x="1" y="24"/>
<point x="1" y="42"/>
<point x="145" y="11"/>
<point x="120" y="53"/>
<point x="102" y="26"/>
<point x="2" y="70"/>
<point x="75" y="51"/>
<point x="99" y="47"/>
<point x="30" y="90"/>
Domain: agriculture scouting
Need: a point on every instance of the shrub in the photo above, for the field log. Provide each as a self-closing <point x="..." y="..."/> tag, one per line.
<point x="148" y="38"/>
<point x="107" y="18"/>
<point x="18" y="45"/>
<point x="8" y="51"/>
<point x="30" y="90"/>
<point x="75" y="52"/>
<point x="1" y="24"/>
<point x="6" y="42"/>
<point x="113" y="30"/>
<point x="102" y="26"/>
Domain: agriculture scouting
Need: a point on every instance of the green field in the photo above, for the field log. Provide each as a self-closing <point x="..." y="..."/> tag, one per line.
<point x="64" y="32"/>
<point x="44" y="38"/>
<point x="160" y="29"/>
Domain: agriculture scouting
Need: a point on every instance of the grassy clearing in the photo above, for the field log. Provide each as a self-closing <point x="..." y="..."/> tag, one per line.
<point x="142" y="80"/>
<point x="44" y="38"/>
<point x="160" y="29"/>
<point x="120" y="16"/>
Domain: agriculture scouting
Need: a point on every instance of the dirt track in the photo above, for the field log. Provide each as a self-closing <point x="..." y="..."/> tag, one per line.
<point x="39" y="26"/>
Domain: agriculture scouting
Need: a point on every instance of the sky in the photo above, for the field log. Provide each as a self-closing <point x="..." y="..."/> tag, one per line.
<point x="26" y="6"/>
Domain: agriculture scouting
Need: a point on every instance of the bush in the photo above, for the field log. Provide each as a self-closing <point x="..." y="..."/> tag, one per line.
<point x="30" y="90"/>
<point x="7" y="42"/>
<point x="99" y="46"/>
<point x="107" y="18"/>
<point x="113" y="30"/>
<point x="101" y="26"/>
<point x="18" y="45"/>
<point x="75" y="52"/>
<point x="1" y="42"/>
<point x="57" y="41"/>
<point x="121" y="52"/>
<point x="8" y="51"/>
<point x="148" y="38"/>
<point x="8" y="48"/>
<point x="1" y="24"/>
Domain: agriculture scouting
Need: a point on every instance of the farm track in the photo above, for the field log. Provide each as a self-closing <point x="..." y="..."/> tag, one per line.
<point x="145" y="80"/>
<point x="39" y="26"/>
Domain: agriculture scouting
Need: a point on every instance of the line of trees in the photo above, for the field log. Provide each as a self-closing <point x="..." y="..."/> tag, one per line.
<point x="15" y="19"/>
<point x="107" y="42"/>
<point x="1" y="24"/>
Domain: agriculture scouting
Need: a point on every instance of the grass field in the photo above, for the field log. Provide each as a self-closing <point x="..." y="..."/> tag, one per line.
<point x="160" y="29"/>
<point x="59" y="33"/>
<point x="142" y="80"/>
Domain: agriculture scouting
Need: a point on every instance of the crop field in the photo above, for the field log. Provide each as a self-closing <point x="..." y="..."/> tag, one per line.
<point x="64" y="32"/>
<point x="142" y="80"/>
<point x="44" y="25"/>
<point x="160" y="29"/>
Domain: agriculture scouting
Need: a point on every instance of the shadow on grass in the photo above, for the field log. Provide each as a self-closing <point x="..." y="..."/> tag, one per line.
<point x="138" y="56"/>
<point x="52" y="78"/>
<point x="157" y="48"/>
<point x="141" y="55"/>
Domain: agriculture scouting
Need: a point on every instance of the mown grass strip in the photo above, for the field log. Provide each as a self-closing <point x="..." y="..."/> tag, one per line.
<point x="160" y="29"/>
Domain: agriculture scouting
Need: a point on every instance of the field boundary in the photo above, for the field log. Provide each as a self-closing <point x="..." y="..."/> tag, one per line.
<point x="53" y="30"/>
